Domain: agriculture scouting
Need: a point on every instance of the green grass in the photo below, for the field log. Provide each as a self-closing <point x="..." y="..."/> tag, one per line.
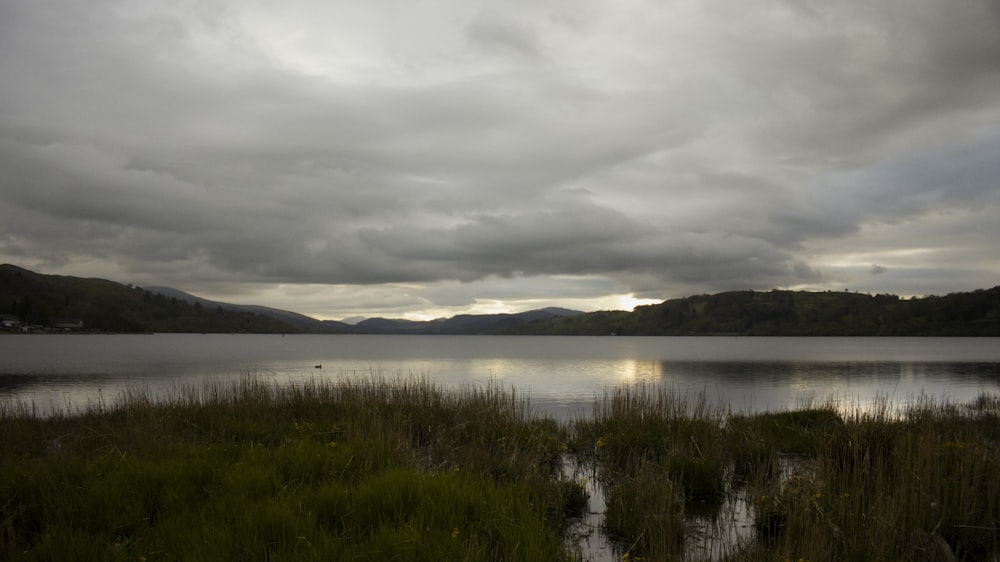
<point x="824" y="486"/>
<point x="382" y="469"/>
<point x="923" y="487"/>
<point x="368" y="469"/>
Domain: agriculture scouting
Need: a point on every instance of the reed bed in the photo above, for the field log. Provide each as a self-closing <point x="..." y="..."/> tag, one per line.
<point x="871" y="485"/>
<point x="358" y="470"/>
<point x="924" y="486"/>
<point x="377" y="468"/>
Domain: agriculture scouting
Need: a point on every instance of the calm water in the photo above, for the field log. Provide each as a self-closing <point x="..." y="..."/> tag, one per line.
<point x="560" y="375"/>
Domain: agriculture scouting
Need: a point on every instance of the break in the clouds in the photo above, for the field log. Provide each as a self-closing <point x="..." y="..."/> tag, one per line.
<point x="430" y="158"/>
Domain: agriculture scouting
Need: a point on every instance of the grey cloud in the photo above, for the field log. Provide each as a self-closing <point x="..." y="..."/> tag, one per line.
<point x="530" y="147"/>
<point x="533" y="243"/>
<point x="580" y="242"/>
<point x="493" y="31"/>
<point x="882" y="75"/>
<point x="82" y="183"/>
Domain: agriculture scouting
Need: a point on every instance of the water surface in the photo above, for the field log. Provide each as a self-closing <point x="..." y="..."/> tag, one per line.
<point x="560" y="375"/>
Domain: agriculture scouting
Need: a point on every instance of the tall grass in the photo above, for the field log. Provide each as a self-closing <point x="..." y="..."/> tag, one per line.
<point x="374" y="468"/>
<point x="364" y="469"/>
<point x="871" y="485"/>
<point x="922" y="487"/>
<point x="657" y="456"/>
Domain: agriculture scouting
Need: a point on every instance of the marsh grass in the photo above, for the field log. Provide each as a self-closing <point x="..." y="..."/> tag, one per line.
<point x="867" y="485"/>
<point x="657" y="456"/>
<point x="645" y="514"/>
<point x="375" y="468"/>
<point x="358" y="470"/>
<point x="924" y="486"/>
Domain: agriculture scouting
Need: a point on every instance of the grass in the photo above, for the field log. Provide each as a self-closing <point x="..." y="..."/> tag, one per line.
<point x="400" y="469"/>
<point x="366" y="469"/>
<point x="824" y="486"/>
<point x="922" y="487"/>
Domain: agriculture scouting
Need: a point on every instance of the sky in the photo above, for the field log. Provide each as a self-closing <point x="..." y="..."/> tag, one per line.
<point x="425" y="158"/>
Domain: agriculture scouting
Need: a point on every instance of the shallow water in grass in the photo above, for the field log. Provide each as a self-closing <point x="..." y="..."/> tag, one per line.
<point x="711" y="535"/>
<point x="560" y="375"/>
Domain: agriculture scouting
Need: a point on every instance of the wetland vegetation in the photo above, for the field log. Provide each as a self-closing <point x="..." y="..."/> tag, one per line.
<point x="402" y="469"/>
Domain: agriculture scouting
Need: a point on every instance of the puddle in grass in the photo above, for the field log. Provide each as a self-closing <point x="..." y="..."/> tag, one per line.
<point x="586" y="534"/>
<point x="718" y="532"/>
<point x="715" y="535"/>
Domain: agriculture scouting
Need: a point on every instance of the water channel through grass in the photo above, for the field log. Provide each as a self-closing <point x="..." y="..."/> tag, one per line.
<point x="401" y="469"/>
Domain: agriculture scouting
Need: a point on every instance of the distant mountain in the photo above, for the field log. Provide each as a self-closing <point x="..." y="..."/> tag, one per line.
<point x="49" y="301"/>
<point x="389" y="326"/>
<point x="792" y="313"/>
<point x="464" y="323"/>
<point x="54" y="301"/>
<point x="300" y="322"/>
<point x="461" y="324"/>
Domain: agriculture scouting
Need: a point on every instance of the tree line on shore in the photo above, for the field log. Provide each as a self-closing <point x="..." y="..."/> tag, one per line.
<point x="793" y="313"/>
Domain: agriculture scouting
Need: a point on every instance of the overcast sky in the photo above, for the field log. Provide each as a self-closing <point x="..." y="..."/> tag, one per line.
<point x="411" y="158"/>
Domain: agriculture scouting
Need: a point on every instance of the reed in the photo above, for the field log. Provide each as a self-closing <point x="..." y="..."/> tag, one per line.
<point x="867" y="485"/>
<point x="645" y="514"/>
<point x="377" y="468"/>
<point x="657" y="456"/>
<point x="363" y="469"/>
<point x="924" y="486"/>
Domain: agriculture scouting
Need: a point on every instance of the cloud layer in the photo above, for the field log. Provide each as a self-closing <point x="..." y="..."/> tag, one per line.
<point x="387" y="158"/>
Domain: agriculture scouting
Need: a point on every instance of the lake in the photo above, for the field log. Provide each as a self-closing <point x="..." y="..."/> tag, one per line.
<point x="560" y="375"/>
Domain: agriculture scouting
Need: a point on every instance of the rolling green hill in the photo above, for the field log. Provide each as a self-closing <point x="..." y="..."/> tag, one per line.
<point x="105" y="306"/>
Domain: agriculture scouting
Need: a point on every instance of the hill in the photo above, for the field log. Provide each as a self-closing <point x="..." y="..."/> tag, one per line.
<point x="300" y="322"/>
<point x="464" y="323"/>
<point x="461" y="324"/>
<point x="51" y="301"/>
<point x="792" y="313"/>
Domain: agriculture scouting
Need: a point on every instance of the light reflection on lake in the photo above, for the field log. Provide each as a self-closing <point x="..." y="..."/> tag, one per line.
<point x="560" y="375"/>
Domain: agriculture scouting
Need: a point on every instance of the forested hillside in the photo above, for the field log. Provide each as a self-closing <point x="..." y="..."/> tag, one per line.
<point x="50" y="301"/>
<point x="793" y="313"/>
